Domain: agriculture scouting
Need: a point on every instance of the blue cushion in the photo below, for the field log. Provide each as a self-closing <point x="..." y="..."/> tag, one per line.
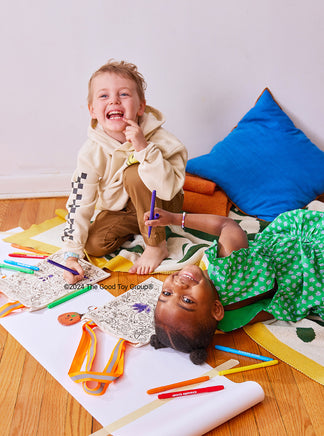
<point x="265" y="165"/>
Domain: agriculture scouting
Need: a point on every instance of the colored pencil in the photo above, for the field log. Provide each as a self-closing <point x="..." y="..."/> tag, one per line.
<point x="178" y="385"/>
<point x="190" y="392"/>
<point x="247" y="368"/>
<point x="23" y="265"/>
<point x="152" y="210"/>
<point x="69" y="297"/>
<point x="242" y="353"/>
<point x="17" y="268"/>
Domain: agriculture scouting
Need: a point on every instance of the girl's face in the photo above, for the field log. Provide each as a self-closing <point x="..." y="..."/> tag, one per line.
<point x="114" y="100"/>
<point x="187" y="298"/>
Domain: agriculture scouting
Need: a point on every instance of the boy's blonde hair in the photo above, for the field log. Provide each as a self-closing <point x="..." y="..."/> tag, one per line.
<point x="124" y="69"/>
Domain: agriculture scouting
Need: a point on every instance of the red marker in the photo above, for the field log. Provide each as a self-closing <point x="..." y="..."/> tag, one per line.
<point x="27" y="256"/>
<point x="190" y="392"/>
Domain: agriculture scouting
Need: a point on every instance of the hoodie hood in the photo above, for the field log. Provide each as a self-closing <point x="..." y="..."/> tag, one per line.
<point x="151" y="120"/>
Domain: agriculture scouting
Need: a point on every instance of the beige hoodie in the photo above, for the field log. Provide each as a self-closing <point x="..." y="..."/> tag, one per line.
<point x="98" y="179"/>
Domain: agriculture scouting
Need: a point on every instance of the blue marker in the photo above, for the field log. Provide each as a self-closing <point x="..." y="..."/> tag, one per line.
<point x="152" y="211"/>
<point x="242" y="353"/>
<point x="23" y="265"/>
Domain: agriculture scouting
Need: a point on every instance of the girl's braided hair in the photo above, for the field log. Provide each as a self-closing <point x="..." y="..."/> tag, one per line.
<point x="186" y="339"/>
<point x="196" y="345"/>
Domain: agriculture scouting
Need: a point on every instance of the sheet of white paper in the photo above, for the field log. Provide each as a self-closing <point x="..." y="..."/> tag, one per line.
<point x="45" y="338"/>
<point x="54" y="346"/>
<point x="52" y="236"/>
<point x="196" y="415"/>
<point x="42" y="335"/>
<point x="10" y="232"/>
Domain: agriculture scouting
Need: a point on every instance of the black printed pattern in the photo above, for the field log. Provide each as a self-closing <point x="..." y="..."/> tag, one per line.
<point x="47" y="285"/>
<point x="131" y="315"/>
<point x="75" y="198"/>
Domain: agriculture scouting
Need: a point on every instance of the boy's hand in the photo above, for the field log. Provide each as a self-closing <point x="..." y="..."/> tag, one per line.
<point x="165" y="218"/>
<point x="134" y="134"/>
<point x="71" y="279"/>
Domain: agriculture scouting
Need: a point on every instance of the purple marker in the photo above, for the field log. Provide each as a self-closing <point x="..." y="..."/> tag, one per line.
<point x="62" y="266"/>
<point x="152" y="210"/>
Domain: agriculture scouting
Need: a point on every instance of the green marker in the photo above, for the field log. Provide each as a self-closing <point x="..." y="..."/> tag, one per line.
<point x="69" y="297"/>
<point x="17" y="268"/>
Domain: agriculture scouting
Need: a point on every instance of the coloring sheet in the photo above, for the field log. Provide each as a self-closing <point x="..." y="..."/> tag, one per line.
<point x="37" y="290"/>
<point x="131" y="315"/>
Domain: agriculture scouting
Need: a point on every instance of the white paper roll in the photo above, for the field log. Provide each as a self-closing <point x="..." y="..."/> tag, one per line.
<point x="197" y="414"/>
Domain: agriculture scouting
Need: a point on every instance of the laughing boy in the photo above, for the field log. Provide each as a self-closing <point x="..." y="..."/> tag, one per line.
<point x="127" y="155"/>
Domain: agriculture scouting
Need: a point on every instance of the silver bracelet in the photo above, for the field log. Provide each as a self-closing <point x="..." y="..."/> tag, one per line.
<point x="183" y="220"/>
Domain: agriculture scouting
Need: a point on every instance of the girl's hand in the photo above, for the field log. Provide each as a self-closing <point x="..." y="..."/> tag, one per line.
<point x="71" y="279"/>
<point x="134" y="134"/>
<point x="165" y="218"/>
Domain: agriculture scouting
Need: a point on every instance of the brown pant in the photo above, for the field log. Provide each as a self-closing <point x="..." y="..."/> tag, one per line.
<point x="112" y="228"/>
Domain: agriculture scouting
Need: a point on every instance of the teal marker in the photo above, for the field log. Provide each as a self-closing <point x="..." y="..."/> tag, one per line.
<point x="17" y="268"/>
<point x="243" y="353"/>
<point x="23" y="265"/>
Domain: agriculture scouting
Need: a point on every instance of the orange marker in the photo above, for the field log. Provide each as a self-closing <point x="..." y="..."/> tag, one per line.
<point x="29" y="249"/>
<point x="178" y="385"/>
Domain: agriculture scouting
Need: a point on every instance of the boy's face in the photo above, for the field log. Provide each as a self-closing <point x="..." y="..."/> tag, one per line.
<point x="114" y="100"/>
<point x="188" y="297"/>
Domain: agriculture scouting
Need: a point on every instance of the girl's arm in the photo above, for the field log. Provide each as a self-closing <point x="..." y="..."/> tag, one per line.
<point x="231" y="236"/>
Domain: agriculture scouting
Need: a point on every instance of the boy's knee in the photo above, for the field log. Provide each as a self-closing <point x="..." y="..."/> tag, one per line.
<point x="99" y="247"/>
<point x="94" y="248"/>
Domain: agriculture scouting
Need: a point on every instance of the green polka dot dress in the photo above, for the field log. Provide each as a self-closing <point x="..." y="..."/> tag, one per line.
<point x="290" y="251"/>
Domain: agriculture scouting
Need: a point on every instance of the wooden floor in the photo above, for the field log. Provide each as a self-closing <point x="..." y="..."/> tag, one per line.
<point x="33" y="403"/>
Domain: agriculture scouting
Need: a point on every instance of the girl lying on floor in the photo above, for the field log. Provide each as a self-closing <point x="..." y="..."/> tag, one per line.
<point x="278" y="275"/>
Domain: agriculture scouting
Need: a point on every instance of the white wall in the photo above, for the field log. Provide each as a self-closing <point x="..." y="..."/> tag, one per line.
<point x="205" y="63"/>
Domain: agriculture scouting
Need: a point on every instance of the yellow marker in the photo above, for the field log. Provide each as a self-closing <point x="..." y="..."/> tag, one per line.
<point x="247" y="368"/>
<point x="88" y="257"/>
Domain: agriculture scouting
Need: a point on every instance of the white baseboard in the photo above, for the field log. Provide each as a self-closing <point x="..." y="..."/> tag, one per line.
<point x="39" y="185"/>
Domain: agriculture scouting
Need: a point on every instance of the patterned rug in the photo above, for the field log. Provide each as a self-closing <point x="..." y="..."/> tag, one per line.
<point x="299" y="344"/>
<point x="185" y="247"/>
